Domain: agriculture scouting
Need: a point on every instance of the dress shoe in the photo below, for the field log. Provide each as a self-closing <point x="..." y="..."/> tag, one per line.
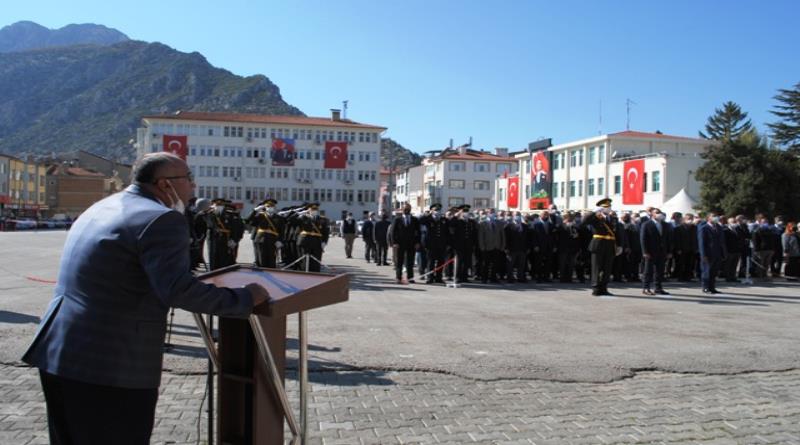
<point x="411" y="281"/>
<point x="714" y="291"/>
<point x="647" y="292"/>
<point x="661" y="292"/>
<point x="399" y="281"/>
<point x="707" y="291"/>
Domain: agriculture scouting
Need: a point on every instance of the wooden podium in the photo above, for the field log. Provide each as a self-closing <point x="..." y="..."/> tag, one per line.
<point x="251" y="355"/>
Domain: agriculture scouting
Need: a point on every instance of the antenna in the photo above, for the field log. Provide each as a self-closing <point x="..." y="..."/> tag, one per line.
<point x="344" y="109"/>
<point x="600" y="117"/>
<point x="628" y="104"/>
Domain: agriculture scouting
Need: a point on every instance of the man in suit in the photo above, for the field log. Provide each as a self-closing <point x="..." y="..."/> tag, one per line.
<point x="656" y="240"/>
<point x="368" y="237"/>
<point x="405" y="233"/>
<point x="491" y="242"/>
<point x="349" y="229"/>
<point x="99" y="346"/>
<point x="380" y="233"/>
<point x="712" y="251"/>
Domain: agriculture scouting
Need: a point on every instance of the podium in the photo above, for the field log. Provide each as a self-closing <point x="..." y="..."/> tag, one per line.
<point x="251" y="354"/>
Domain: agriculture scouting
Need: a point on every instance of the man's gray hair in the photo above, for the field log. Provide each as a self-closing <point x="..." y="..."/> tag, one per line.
<point x="146" y="169"/>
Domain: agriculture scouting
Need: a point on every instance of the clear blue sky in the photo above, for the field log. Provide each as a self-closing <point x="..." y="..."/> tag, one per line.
<point x="505" y="73"/>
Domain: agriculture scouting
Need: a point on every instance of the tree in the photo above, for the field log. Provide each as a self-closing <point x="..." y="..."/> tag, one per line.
<point x="729" y="122"/>
<point x="744" y="176"/>
<point x="786" y="132"/>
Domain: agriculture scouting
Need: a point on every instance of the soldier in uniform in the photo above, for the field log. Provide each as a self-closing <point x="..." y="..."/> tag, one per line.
<point x="603" y="246"/>
<point x="267" y="233"/>
<point x="225" y="229"/>
<point x="196" y="218"/>
<point x="465" y="241"/>
<point x="436" y="242"/>
<point x="313" y="235"/>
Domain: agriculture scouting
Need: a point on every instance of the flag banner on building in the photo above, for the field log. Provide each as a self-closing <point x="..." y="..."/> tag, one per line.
<point x="282" y="152"/>
<point x="513" y="192"/>
<point x="541" y="180"/>
<point x="177" y="144"/>
<point x="335" y="154"/>
<point x="633" y="182"/>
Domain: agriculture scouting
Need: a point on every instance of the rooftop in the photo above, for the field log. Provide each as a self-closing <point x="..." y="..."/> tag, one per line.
<point x="468" y="155"/>
<point x="645" y="135"/>
<point x="263" y="119"/>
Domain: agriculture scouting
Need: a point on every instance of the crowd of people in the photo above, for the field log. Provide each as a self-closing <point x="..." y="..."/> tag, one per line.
<point x="645" y="247"/>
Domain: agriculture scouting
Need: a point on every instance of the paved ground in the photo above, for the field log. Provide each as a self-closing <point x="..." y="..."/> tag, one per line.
<point x="516" y="364"/>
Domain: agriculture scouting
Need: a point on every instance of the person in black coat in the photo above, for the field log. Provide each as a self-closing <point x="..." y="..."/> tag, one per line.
<point x="369" y="238"/>
<point x="733" y="245"/>
<point x="380" y="233"/>
<point x="405" y="233"/>
<point x="568" y="238"/>
<point x="633" y="249"/>
<point x="685" y="248"/>
<point x="435" y="243"/>
<point x="516" y="233"/>
<point x="656" y="240"/>
<point x="712" y="252"/>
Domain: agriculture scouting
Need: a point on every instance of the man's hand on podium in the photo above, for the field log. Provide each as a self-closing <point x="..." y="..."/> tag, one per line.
<point x="260" y="295"/>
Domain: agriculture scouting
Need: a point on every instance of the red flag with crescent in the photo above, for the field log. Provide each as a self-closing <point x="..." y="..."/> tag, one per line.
<point x="177" y="144"/>
<point x="335" y="154"/>
<point x="513" y="192"/>
<point x="633" y="182"/>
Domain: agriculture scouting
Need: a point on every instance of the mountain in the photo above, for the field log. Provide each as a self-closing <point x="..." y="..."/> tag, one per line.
<point x="394" y="154"/>
<point x="23" y="36"/>
<point x="92" y="97"/>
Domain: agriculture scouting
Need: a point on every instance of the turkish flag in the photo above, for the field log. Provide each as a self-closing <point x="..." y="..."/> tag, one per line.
<point x="335" y="154"/>
<point x="633" y="182"/>
<point x="513" y="192"/>
<point x="177" y="144"/>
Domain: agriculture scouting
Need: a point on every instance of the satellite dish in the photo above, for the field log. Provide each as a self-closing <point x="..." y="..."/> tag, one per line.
<point x="614" y="154"/>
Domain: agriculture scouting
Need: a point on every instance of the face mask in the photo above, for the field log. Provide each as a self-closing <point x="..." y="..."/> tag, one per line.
<point x="518" y="218"/>
<point x="715" y="219"/>
<point x="661" y="217"/>
<point x="492" y="217"/>
<point x="177" y="204"/>
<point x="436" y="215"/>
<point x="314" y="213"/>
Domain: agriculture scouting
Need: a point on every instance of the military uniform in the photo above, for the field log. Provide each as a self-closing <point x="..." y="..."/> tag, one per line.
<point x="465" y="239"/>
<point x="603" y="248"/>
<point x="225" y="230"/>
<point x="312" y="236"/>
<point x="267" y="233"/>
<point x="435" y="243"/>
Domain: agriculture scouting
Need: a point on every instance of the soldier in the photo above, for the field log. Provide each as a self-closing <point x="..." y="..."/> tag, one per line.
<point x="196" y="218"/>
<point x="225" y="229"/>
<point x="491" y="243"/>
<point x="312" y="238"/>
<point x="465" y="240"/>
<point x="603" y="246"/>
<point x="268" y="233"/>
<point x="436" y="242"/>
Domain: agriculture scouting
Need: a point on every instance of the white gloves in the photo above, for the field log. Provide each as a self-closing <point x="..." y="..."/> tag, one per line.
<point x="278" y="244"/>
<point x="619" y="251"/>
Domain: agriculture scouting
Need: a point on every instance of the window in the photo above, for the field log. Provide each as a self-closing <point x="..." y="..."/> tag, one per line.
<point x="592" y="151"/>
<point x="457" y="167"/>
<point x="580" y="187"/>
<point x="503" y="168"/>
<point x="590" y="187"/>
<point x="452" y="202"/>
<point x="580" y="157"/>
<point x="456" y="184"/>
<point x="656" y="181"/>
<point x="562" y="189"/>
<point x="601" y="154"/>
<point x="644" y="182"/>
<point x="556" y="158"/>
<point x="481" y="167"/>
<point x="481" y="185"/>
<point x="571" y="189"/>
<point x="601" y="185"/>
<point x="555" y="190"/>
<point x="617" y="184"/>
<point x="573" y="158"/>
<point x="481" y="203"/>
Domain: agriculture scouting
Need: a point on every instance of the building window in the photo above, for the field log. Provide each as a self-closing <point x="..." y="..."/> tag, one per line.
<point x="580" y="187"/>
<point x="456" y="184"/>
<point x="481" y="203"/>
<point x="457" y="166"/>
<point x="481" y="167"/>
<point x="656" y="181"/>
<point x="503" y="168"/>
<point x="601" y="185"/>
<point x="580" y="157"/>
<point x="562" y="188"/>
<point x="590" y="187"/>
<point x="601" y="154"/>
<point x="556" y="159"/>
<point x="644" y="182"/>
<point x="573" y="158"/>
<point x="592" y="151"/>
<point x="571" y="189"/>
<point x="481" y="185"/>
<point x="555" y="191"/>
<point x="617" y="184"/>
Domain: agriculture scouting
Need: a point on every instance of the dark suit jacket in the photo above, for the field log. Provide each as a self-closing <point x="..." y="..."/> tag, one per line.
<point x="710" y="241"/>
<point x="406" y="235"/>
<point x="125" y="262"/>
<point x="654" y="243"/>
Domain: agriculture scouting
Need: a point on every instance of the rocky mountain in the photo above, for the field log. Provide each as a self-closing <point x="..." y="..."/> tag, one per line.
<point x="23" y="36"/>
<point x="394" y="154"/>
<point x="92" y="97"/>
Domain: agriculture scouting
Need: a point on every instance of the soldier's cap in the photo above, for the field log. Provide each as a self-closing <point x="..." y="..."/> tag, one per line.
<point x="453" y="209"/>
<point x="313" y="206"/>
<point x="221" y="201"/>
<point x="436" y="207"/>
<point x="605" y="202"/>
<point x="269" y="202"/>
<point x="465" y="207"/>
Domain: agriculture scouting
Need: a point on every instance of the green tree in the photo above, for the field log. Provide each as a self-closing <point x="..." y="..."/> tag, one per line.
<point x="743" y="175"/>
<point x="728" y="122"/>
<point x="786" y="132"/>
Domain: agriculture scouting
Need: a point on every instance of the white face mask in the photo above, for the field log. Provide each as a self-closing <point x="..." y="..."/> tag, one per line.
<point x="177" y="204"/>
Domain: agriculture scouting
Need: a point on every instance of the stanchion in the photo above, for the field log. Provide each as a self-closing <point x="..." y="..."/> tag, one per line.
<point x="303" y="367"/>
<point x="747" y="277"/>
<point x="454" y="283"/>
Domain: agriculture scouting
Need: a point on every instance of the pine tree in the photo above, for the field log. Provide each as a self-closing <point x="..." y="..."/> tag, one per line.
<point x="786" y="132"/>
<point x="727" y="123"/>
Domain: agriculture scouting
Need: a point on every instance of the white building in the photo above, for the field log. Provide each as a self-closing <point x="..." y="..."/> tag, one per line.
<point x="585" y="171"/>
<point x="455" y="177"/>
<point x="230" y="156"/>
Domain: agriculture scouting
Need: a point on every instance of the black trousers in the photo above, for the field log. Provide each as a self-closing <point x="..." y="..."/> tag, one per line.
<point x="405" y="257"/>
<point x="381" y="251"/>
<point x="369" y="250"/>
<point x="602" y="262"/>
<point x="654" y="271"/>
<point x="81" y="413"/>
<point x="685" y="265"/>
<point x="435" y="259"/>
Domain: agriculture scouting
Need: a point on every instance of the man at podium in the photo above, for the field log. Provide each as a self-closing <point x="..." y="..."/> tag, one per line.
<point x="125" y="263"/>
